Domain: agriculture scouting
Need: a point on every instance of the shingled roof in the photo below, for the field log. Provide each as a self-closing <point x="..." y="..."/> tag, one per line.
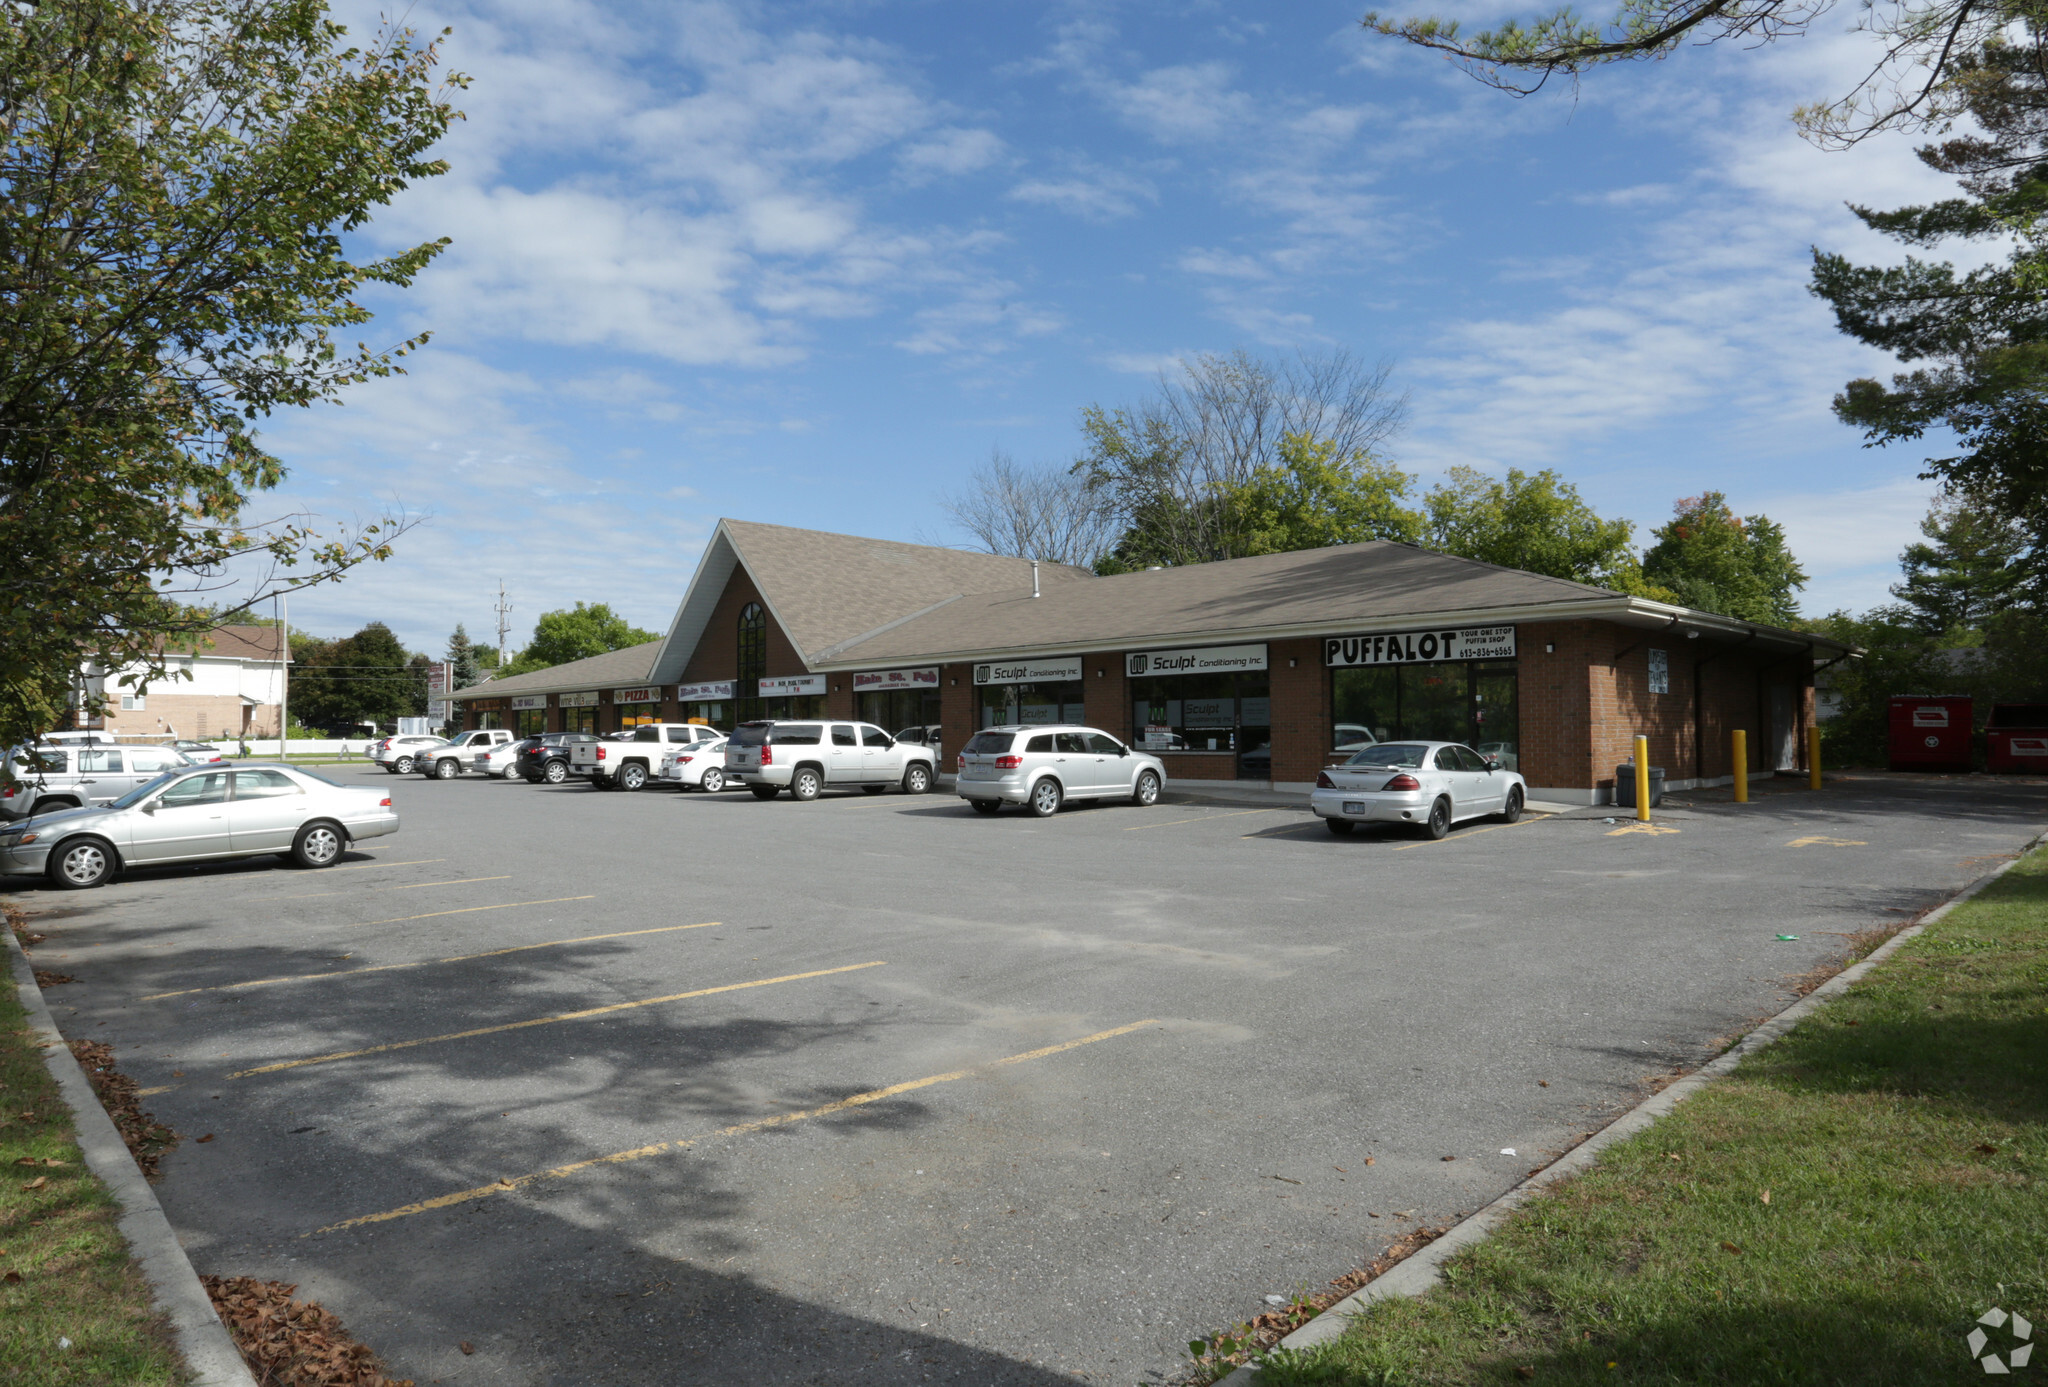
<point x="613" y="669"/>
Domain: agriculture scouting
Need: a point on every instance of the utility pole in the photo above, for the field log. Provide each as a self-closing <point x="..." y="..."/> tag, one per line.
<point x="284" y="679"/>
<point x="504" y="625"/>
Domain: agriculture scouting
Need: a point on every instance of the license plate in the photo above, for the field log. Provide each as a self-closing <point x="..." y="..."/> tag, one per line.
<point x="1354" y="806"/>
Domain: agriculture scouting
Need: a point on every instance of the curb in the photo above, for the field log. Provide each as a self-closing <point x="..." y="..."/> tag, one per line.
<point x="1417" y="1274"/>
<point x="203" y="1341"/>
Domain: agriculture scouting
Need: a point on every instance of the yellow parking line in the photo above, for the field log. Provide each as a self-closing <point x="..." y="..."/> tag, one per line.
<point x="468" y="910"/>
<point x="423" y="963"/>
<point x="507" y="1184"/>
<point x="365" y="866"/>
<point x="546" y="1020"/>
<point x="1202" y="818"/>
<point x="406" y="886"/>
<point x="1472" y="832"/>
<point x="1818" y="841"/>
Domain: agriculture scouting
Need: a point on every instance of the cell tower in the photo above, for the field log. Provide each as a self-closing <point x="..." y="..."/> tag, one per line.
<point x="504" y="609"/>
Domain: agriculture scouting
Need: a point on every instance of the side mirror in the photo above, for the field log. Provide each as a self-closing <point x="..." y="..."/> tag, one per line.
<point x="1123" y="751"/>
<point x="151" y="807"/>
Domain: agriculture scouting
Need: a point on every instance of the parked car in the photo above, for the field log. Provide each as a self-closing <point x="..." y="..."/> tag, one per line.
<point x="546" y="758"/>
<point x="701" y="765"/>
<point x="501" y="761"/>
<point x="71" y="775"/>
<point x="927" y="735"/>
<point x="398" y="754"/>
<point x="1043" y="767"/>
<point x="195" y="813"/>
<point x="1425" y="785"/>
<point x="1502" y="754"/>
<point x="808" y="757"/>
<point x="452" y="759"/>
<point x="632" y="765"/>
<point x="199" y="752"/>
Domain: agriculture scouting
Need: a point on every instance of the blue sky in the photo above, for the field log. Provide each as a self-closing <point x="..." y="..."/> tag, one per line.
<point x="808" y="263"/>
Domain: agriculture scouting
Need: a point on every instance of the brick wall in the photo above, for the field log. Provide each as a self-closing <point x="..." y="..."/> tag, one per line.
<point x="198" y="716"/>
<point x="717" y="656"/>
<point x="1302" y="734"/>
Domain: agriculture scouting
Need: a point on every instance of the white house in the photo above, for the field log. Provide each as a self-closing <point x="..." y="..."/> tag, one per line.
<point x="228" y="683"/>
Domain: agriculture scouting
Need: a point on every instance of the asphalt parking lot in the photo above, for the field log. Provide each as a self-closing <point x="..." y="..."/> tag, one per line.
<point x="680" y="1088"/>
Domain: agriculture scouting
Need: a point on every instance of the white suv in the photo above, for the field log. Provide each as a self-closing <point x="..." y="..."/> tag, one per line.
<point x="1043" y="767"/>
<point x="396" y="754"/>
<point x="807" y="757"/>
<point x="447" y="762"/>
<point x="51" y="775"/>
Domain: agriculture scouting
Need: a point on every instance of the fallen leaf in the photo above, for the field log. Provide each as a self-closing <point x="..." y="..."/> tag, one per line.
<point x="177" y="1073"/>
<point x="1340" y="1170"/>
<point x="466" y="1346"/>
<point x="52" y="1160"/>
<point x="203" y="1140"/>
<point x="1672" y="1156"/>
<point x="27" y="1160"/>
<point x="1543" y="1083"/>
<point x="1449" y="1158"/>
<point x="37" y="1183"/>
<point x="1525" y="1372"/>
<point x="1368" y="1160"/>
<point x="12" y="1278"/>
<point x="505" y="1182"/>
<point x="1731" y="1247"/>
<point x="1987" y="1148"/>
<point x="1283" y="1177"/>
<point x="1766" y="1196"/>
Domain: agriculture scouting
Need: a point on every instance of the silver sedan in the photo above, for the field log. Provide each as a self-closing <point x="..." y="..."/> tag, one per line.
<point x="1426" y="785"/>
<point x="196" y="814"/>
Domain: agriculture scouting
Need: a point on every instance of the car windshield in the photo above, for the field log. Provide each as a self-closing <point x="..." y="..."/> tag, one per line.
<point x="989" y="743"/>
<point x="1405" y="756"/>
<point x="144" y="790"/>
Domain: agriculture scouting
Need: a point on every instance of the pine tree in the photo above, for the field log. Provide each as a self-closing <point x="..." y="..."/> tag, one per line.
<point x="463" y="669"/>
<point x="1975" y="567"/>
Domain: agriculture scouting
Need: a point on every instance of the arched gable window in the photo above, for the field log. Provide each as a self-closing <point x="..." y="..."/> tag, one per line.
<point x="753" y="652"/>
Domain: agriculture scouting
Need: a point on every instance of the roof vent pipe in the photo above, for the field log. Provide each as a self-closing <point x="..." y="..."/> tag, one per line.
<point x="1034" y="577"/>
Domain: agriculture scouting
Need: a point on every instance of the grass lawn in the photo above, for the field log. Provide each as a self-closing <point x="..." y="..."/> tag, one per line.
<point x="65" y="1272"/>
<point x="1841" y="1209"/>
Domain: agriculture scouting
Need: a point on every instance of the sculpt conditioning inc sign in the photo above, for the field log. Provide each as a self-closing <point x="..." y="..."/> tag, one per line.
<point x="1416" y="647"/>
<point x="703" y="693"/>
<point x="793" y="684"/>
<point x="1213" y="659"/>
<point x="1028" y="671"/>
<point x="886" y="680"/>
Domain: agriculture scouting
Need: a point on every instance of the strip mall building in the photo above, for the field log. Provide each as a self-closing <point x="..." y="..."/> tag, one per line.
<point x="1258" y="670"/>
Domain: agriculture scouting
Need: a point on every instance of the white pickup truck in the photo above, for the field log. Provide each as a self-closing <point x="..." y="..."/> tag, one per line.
<point x="447" y="762"/>
<point x="630" y="765"/>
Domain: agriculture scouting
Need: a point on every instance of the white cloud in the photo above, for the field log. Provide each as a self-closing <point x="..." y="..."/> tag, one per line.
<point x="949" y="152"/>
<point x="1088" y="191"/>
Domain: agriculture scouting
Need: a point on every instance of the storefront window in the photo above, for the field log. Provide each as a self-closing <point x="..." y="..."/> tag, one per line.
<point x="716" y="714"/>
<point x="753" y="653"/>
<point x="1469" y="701"/>
<point x="790" y="706"/>
<point x="580" y="720"/>
<point x="1204" y="712"/>
<point x="895" y="709"/>
<point x="532" y="721"/>
<point x="1031" y="704"/>
<point x="638" y="714"/>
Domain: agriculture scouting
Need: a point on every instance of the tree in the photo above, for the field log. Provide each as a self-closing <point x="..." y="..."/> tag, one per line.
<point x="366" y="677"/>
<point x="1534" y="522"/>
<point x="576" y="634"/>
<point x="178" y="176"/>
<point x="463" y="665"/>
<point x="1033" y="513"/>
<point x="1976" y="565"/>
<point x="1984" y="332"/>
<point x="1711" y="559"/>
<point x="1914" y="81"/>
<point x="1162" y="467"/>
<point x="1313" y="496"/>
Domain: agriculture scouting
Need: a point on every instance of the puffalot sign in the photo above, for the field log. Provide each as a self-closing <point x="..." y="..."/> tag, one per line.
<point x="1028" y="671"/>
<point x="1415" y="647"/>
<point x="881" y="680"/>
<point x="1144" y="664"/>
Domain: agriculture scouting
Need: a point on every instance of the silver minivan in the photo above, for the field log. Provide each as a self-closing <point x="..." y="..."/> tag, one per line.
<point x="74" y="775"/>
<point x="1043" y="767"/>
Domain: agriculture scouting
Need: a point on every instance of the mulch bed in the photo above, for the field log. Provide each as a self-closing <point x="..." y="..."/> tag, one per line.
<point x="292" y="1343"/>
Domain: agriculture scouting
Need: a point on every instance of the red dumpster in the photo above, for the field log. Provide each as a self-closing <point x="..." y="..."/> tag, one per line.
<point x="2017" y="738"/>
<point x="1930" y="732"/>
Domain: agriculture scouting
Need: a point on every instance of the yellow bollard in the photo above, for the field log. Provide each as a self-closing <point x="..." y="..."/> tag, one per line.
<point x="1813" y="757"/>
<point x="1740" y="753"/>
<point x="1643" y="779"/>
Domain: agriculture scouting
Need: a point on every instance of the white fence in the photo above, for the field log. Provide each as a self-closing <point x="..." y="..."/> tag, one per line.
<point x="298" y="746"/>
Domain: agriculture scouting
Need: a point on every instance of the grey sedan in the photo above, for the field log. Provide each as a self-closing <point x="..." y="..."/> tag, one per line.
<point x="196" y="814"/>
<point x="1425" y="785"/>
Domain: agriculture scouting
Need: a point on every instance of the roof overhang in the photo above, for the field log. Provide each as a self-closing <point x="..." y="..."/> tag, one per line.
<point x="1621" y="610"/>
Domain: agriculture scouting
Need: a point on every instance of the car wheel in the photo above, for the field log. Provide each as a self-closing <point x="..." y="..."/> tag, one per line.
<point x="1045" y="798"/>
<point x="319" y="844"/>
<point x="1343" y="828"/>
<point x="446" y="769"/>
<point x="712" y="781"/>
<point x="391" y="770"/>
<point x="555" y="773"/>
<point x="82" y="864"/>
<point x="402" y="766"/>
<point x="1439" y="820"/>
<point x="805" y="784"/>
<point x="1511" y="810"/>
<point x="764" y="791"/>
<point x="632" y="776"/>
<point x="986" y="806"/>
<point x="917" y="779"/>
<point x="1146" y="791"/>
